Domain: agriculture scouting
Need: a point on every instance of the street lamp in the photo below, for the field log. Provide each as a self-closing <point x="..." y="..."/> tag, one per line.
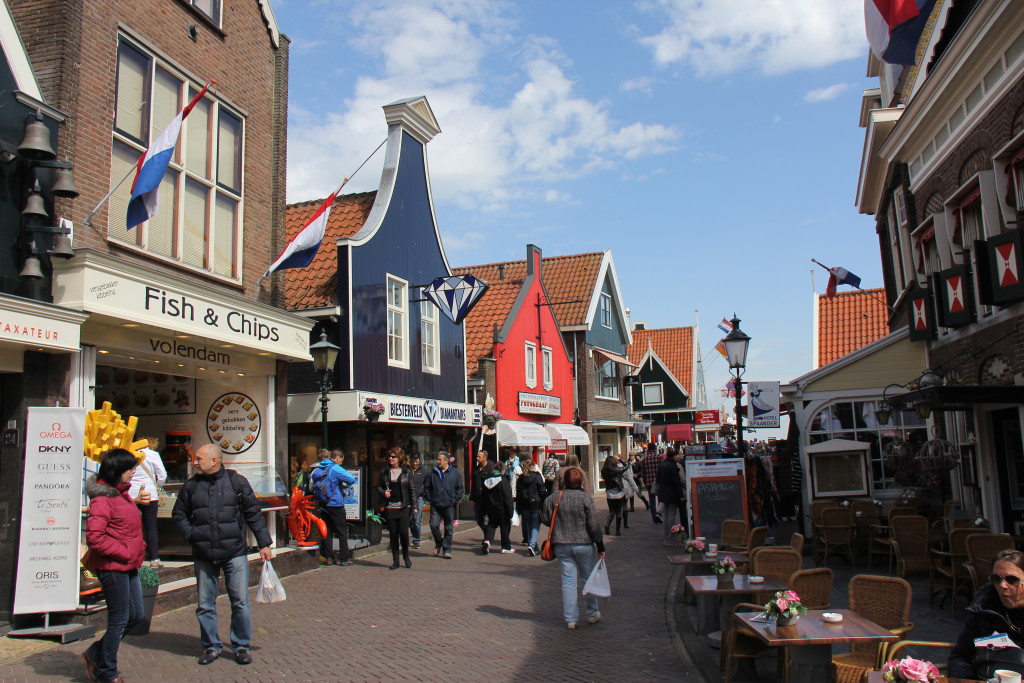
<point x="736" y="343"/>
<point x="324" y="356"/>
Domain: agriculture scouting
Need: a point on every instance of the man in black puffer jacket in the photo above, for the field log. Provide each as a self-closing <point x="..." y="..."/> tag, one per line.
<point x="212" y="512"/>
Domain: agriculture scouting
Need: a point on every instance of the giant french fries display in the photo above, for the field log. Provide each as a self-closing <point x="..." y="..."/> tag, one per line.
<point x="104" y="430"/>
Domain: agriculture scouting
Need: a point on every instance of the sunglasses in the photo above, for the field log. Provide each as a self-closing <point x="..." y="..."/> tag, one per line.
<point x="1011" y="581"/>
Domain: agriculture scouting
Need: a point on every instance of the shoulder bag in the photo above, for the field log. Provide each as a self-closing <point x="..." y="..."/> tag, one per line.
<point x="547" y="549"/>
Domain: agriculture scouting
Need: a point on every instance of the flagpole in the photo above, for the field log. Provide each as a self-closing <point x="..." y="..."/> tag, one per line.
<point x="88" y="219"/>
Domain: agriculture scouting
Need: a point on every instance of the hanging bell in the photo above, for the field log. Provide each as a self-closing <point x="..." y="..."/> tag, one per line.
<point x="36" y="143"/>
<point x="65" y="185"/>
<point x="31" y="270"/>
<point x="35" y="206"/>
<point x="62" y="247"/>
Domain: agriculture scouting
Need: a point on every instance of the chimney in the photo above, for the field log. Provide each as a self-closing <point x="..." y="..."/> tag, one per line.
<point x="501" y="271"/>
<point x="640" y="325"/>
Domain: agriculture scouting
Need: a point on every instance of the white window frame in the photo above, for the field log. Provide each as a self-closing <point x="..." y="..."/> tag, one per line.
<point x="661" y="393"/>
<point x="397" y="335"/>
<point x="171" y="235"/>
<point x="429" y="329"/>
<point x="599" y="362"/>
<point x="547" y="371"/>
<point x="605" y="307"/>
<point x="899" y="199"/>
<point x="530" y="364"/>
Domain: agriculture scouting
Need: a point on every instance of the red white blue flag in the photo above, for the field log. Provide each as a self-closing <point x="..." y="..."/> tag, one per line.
<point x="153" y="164"/>
<point x="300" y="251"/>
<point x="840" y="276"/>
<point x="894" y="27"/>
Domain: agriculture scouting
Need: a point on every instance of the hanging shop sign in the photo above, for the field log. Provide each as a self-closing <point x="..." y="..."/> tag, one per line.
<point x="539" y="404"/>
<point x="706" y="417"/>
<point x="51" y="515"/>
<point x="233" y="422"/>
<point x="763" y="404"/>
<point x="424" y="411"/>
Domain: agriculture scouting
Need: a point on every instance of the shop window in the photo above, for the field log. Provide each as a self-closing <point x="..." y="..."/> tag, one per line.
<point x="654" y="394"/>
<point x="398" y="322"/>
<point x="606" y="380"/>
<point x="209" y="8"/>
<point x="605" y="306"/>
<point x="200" y="218"/>
<point x="530" y="364"/>
<point x="546" y="369"/>
<point x="429" y="330"/>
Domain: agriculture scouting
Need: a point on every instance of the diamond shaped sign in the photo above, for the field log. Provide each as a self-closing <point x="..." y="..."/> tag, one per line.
<point x="455" y="295"/>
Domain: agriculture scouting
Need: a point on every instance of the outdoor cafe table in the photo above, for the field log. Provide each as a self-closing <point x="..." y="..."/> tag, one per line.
<point x="709" y="592"/>
<point x="810" y="639"/>
<point x="696" y="566"/>
<point x="876" y="677"/>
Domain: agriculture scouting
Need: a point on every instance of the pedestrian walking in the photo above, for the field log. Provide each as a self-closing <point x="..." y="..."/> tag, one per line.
<point x="530" y="494"/>
<point x="213" y="509"/>
<point x="416" y="516"/>
<point x="395" y="488"/>
<point x="576" y="535"/>
<point x="444" y="489"/>
<point x="328" y="482"/>
<point x="150" y="476"/>
<point x="498" y="507"/>
<point x="550" y="472"/>
<point x="670" y="490"/>
<point x="483" y="469"/>
<point x="612" y="472"/>
<point x="114" y="536"/>
<point x="636" y="477"/>
<point x="571" y="461"/>
<point x="649" y="467"/>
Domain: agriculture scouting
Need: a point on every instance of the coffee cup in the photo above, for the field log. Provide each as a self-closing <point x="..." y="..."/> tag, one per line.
<point x="712" y="548"/>
<point x="1007" y="676"/>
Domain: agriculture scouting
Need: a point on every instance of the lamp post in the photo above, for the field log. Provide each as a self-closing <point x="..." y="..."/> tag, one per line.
<point x="324" y="356"/>
<point x="736" y="343"/>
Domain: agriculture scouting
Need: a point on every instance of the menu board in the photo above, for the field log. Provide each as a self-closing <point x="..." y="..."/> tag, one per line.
<point x="140" y="392"/>
<point x="233" y="422"/>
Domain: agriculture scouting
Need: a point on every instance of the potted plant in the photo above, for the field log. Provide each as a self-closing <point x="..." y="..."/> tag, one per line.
<point x="909" y="669"/>
<point x="372" y="410"/>
<point x="785" y="607"/>
<point x="491" y="417"/>
<point x="724" y="569"/>
<point x="150" y="581"/>
<point x="466" y="510"/>
<point x="694" y="547"/>
<point x="374" y="527"/>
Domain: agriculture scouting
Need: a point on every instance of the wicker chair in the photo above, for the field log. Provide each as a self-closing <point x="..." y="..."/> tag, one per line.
<point x="948" y="569"/>
<point x="817" y="507"/>
<point x="776" y="563"/>
<point x="796" y="542"/>
<point x="734" y="535"/>
<point x="896" y="651"/>
<point x="741" y="644"/>
<point x="814" y="586"/>
<point x="981" y="549"/>
<point x="884" y="600"/>
<point x="756" y="538"/>
<point x="910" y="543"/>
<point x="837" y="533"/>
<point x="881" y="540"/>
<point x="866" y="508"/>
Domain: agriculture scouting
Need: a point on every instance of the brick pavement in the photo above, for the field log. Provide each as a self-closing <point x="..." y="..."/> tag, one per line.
<point x="496" y="617"/>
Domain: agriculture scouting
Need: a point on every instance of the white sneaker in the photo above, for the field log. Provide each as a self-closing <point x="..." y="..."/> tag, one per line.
<point x="571" y="625"/>
<point x="594" y="619"/>
<point x="507" y="551"/>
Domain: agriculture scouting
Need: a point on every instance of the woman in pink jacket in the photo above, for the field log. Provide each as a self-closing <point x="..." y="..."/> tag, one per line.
<point x="114" y="535"/>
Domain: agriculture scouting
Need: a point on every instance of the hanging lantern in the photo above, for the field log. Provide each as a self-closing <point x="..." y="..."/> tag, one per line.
<point x="937" y="455"/>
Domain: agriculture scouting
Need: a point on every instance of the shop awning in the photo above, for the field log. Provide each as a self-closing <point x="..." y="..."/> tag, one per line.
<point x="574" y="436"/>
<point x="520" y="433"/>
<point x="679" y="433"/>
<point x="615" y="357"/>
<point x="960" y="396"/>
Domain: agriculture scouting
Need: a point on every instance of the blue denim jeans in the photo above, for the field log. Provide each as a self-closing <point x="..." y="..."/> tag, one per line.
<point x="236" y="579"/>
<point x="415" y="520"/>
<point x="577" y="562"/>
<point x="440" y="514"/>
<point x="123" y="594"/>
<point x="531" y="527"/>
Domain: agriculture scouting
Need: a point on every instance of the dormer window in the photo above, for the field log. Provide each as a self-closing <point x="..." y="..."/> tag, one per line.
<point x="605" y="310"/>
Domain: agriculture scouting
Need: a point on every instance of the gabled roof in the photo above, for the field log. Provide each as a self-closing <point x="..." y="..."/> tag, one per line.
<point x="850" y="321"/>
<point x="492" y="309"/>
<point x="673" y="346"/>
<point x="566" y="279"/>
<point x="315" y="286"/>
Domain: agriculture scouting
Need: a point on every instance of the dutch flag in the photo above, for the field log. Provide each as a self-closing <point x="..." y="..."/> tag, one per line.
<point x="895" y="26"/>
<point x="300" y="251"/>
<point x="153" y="164"/>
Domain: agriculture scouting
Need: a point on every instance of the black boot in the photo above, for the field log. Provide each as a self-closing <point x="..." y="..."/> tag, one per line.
<point x="408" y="562"/>
<point x="608" y="528"/>
<point x="394" y="561"/>
<point x="618" y="526"/>
<point x="625" y="519"/>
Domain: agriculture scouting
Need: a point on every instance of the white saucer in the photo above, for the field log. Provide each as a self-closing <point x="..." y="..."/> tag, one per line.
<point x="755" y="579"/>
<point x="832" y="617"/>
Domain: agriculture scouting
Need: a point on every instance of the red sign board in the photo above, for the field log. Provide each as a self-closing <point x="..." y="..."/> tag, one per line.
<point x="559" y="446"/>
<point x="706" y="417"/>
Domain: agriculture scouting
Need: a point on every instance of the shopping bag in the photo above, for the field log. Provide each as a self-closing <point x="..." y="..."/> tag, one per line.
<point x="516" y="521"/>
<point x="597" y="584"/>
<point x="271" y="589"/>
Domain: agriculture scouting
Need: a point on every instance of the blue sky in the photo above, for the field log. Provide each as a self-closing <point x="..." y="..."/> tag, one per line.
<point x="711" y="144"/>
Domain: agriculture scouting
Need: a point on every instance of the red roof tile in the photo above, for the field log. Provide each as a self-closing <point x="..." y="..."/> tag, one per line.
<point x="316" y="285"/>
<point x="850" y="321"/>
<point x="674" y="346"/>
<point x="566" y="278"/>
<point x="491" y="310"/>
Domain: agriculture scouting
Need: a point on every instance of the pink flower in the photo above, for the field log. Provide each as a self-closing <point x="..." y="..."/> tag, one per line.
<point x="916" y="670"/>
<point x="792" y="596"/>
<point x="782" y="604"/>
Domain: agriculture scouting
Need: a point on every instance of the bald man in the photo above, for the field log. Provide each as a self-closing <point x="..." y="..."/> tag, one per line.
<point x="209" y="514"/>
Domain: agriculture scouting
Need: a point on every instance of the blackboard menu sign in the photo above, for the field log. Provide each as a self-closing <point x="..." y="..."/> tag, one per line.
<point x="714" y="500"/>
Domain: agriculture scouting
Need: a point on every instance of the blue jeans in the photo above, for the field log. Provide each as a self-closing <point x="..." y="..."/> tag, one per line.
<point x="123" y="593"/>
<point x="444" y="514"/>
<point x="531" y="527"/>
<point x="236" y="579"/>
<point x="415" y="520"/>
<point x="577" y="562"/>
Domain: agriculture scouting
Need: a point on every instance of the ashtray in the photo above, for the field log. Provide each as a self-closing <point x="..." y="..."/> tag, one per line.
<point x="755" y="579"/>
<point x="832" y="617"/>
<point x="710" y="554"/>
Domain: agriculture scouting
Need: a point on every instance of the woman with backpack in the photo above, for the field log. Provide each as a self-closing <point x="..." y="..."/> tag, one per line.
<point x="395" y="488"/>
<point x="530" y="490"/>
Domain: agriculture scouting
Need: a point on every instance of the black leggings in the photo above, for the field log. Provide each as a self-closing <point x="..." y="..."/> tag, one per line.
<point x="398" y="530"/>
<point x="149" y="529"/>
<point x="615" y="508"/>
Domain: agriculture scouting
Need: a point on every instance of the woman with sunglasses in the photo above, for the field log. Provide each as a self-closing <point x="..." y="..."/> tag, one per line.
<point x="395" y="488"/>
<point x="997" y="608"/>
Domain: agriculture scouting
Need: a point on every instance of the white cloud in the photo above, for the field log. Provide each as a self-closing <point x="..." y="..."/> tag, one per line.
<point x="774" y="36"/>
<point x="638" y="85"/>
<point x="828" y="93"/>
<point x="495" y="148"/>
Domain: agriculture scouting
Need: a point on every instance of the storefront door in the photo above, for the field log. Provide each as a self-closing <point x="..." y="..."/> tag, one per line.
<point x="1009" y="450"/>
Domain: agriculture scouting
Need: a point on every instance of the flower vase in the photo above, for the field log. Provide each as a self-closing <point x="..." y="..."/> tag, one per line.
<point x="696" y="555"/>
<point x="725" y="579"/>
<point x="786" y="620"/>
<point x="372" y="417"/>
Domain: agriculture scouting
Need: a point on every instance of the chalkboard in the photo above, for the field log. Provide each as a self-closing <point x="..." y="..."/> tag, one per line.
<point x="715" y="500"/>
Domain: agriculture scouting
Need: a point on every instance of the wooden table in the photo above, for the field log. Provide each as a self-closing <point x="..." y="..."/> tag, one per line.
<point x="810" y="639"/>
<point x="701" y="566"/>
<point x="715" y="599"/>
<point x="876" y="677"/>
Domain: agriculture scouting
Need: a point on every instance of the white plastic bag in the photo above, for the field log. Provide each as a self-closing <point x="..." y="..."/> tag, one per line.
<point x="516" y="521"/>
<point x="597" y="584"/>
<point x="271" y="589"/>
